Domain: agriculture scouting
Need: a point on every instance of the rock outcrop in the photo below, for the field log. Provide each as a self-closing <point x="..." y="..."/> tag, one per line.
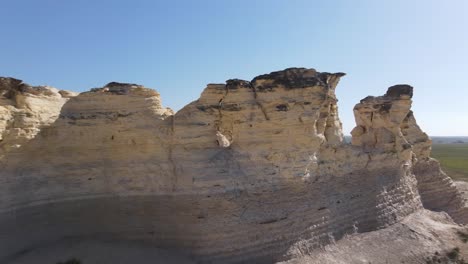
<point x="386" y="124"/>
<point x="24" y="109"/>
<point x="251" y="171"/>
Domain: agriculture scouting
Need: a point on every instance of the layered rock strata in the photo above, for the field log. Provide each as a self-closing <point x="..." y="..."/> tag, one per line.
<point x="386" y="124"/>
<point x="24" y="109"/>
<point x="251" y="171"/>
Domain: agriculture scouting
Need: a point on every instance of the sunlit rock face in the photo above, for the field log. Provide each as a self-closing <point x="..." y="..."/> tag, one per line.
<point x="252" y="171"/>
<point x="24" y="109"/>
<point x="387" y="124"/>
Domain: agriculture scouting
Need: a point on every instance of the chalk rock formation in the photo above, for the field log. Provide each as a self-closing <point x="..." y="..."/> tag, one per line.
<point x="379" y="121"/>
<point x="387" y="124"/>
<point x="251" y="171"/>
<point x="24" y="109"/>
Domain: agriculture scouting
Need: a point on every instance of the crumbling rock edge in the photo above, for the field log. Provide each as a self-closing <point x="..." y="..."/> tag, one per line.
<point x="252" y="171"/>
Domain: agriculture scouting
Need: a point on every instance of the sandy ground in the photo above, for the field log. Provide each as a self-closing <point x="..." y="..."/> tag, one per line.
<point x="416" y="238"/>
<point x="100" y="252"/>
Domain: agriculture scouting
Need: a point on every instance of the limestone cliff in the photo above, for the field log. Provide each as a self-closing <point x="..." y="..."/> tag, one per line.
<point x="251" y="171"/>
<point x="386" y="124"/>
<point x="24" y="109"/>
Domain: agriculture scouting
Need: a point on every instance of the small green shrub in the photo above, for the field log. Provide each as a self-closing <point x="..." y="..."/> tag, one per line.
<point x="454" y="254"/>
<point x="463" y="236"/>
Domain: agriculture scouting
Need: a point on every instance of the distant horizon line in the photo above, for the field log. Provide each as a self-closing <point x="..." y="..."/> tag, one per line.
<point x="349" y="135"/>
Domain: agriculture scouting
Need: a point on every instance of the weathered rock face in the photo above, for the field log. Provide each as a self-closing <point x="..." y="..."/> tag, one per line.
<point x="24" y="109"/>
<point x="251" y="171"/>
<point x="379" y="121"/>
<point x="294" y="108"/>
<point x="437" y="190"/>
<point x="387" y="124"/>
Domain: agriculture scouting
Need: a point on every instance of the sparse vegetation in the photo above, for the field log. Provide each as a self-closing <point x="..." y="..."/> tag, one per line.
<point x="70" y="261"/>
<point x="463" y="236"/>
<point x="453" y="256"/>
<point x="453" y="158"/>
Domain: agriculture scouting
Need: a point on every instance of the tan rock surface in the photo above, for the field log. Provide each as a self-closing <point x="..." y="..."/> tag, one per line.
<point x="422" y="237"/>
<point x="251" y="171"/>
<point x="419" y="237"/>
<point x="24" y="109"/>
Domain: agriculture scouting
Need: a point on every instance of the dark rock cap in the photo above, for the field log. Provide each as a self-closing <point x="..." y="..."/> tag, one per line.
<point x="294" y="78"/>
<point x="116" y="88"/>
<point x="399" y="90"/>
<point x="10" y="87"/>
<point x="118" y="84"/>
<point x="8" y="83"/>
<point x="237" y="83"/>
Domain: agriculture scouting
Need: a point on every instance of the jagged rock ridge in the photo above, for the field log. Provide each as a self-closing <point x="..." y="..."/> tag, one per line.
<point x="251" y="171"/>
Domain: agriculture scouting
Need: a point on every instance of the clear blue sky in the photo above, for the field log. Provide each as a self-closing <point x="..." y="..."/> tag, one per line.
<point x="177" y="47"/>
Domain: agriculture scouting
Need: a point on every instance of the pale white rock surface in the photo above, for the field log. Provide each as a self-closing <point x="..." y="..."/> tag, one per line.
<point x="24" y="109"/>
<point x="252" y="171"/>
